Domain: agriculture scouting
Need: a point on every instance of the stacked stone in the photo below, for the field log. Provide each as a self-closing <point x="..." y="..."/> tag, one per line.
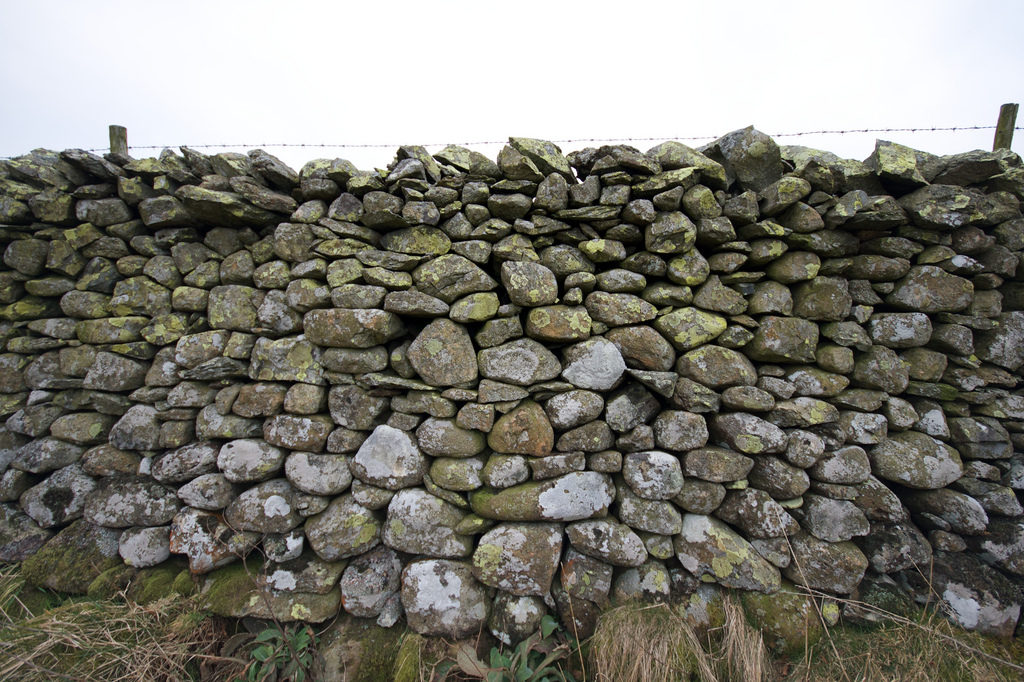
<point x="472" y="392"/>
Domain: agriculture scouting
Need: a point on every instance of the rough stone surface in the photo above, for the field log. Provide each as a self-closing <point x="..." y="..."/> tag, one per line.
<point x="420" y="523"/>
<point x="709" y="549"/>
<point x="443" y="354"/>
<point x="831" y="567"/>
<point x="596" y="365"/>
<point x="572" y="497"/>
<point x="123" y="501"/>
<point x="441" y="598"/>
<point x="268" y="507"/>
<point x="524" y="431"/>
<point x="607" y="540"/>
<point x="389" y="458"/>
<point x="345" y="529"/>
<point x="916" y="460"/>
<point x="518" y="558"/>
<point x="521" y="362"/>
<point x="369" y="581"/>
<point x="366" y="377"/>
<point x="783" y="339"/>
<point x="345" y="328"/>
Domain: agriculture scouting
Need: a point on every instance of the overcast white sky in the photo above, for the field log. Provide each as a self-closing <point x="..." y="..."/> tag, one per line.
<point x="396" y="72"/>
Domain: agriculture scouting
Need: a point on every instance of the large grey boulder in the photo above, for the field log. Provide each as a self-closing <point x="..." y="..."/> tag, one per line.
<point x="572" y="497"/>
<point x="442" y="598"/>
<point x="268" y="507"/>
<point x="783" y="339"/>
<point x="916" y="460"/>
<point x="60" y="498"/>
<point x="519" y="558"/>
<point x="977" y="596"/>
<point x="20" y="536"/>
<point x="521" y="362"/>
<point x="389" y="458"/>
<point x="712" y="551"/>
<point x="348" y="328"/>
<point x="835" y="567"/>
<point x="929" y="289"/>
<point x="249" y="459"/>
<point x="420" y="523"/>
<point x="123" y="501"/>
<point x="1003" y="345"/>
<point x="594" y="364"/>
<point x="443" y="354"/>
<point x="749" y="157"/>
<point x="605" y="539"/>
<point x="345" y="529"/>
<point x="369" y="581"/>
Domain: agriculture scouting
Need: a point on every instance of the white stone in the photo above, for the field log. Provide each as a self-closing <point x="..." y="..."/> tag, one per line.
<point x="595" y="364"/>
<point x="318" y="474"/>
<point x="389" y="458"/>
<point x="442" y="598"/>
<point x="249" y="460"/>
<point x="575" y="496"/>
<point x="142" y="547"/>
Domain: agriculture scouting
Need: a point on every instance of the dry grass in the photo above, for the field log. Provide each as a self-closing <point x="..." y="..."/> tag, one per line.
<point x="643" y="643"/>
<point x="922" y="649"/>
<point x="743" y="655"/>
<point x="646" y="643"/>
<point x="107" y="640"/>
<point x="652" y="643"/>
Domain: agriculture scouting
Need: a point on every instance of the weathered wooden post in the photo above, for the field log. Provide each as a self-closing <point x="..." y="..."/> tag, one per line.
<point x="119" y="140"/>
<point x="1004" y="128"/>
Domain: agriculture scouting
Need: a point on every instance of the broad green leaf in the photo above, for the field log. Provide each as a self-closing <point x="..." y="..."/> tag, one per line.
<point x="498" y="659"/>
<point x="547" y="625"/>
<point x="268" y="635"/>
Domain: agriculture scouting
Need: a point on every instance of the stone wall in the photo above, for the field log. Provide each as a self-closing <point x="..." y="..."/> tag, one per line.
<point x="468" y="393"/>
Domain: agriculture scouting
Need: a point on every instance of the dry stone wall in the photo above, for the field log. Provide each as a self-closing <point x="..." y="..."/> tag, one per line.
<point x="467" y="393"/>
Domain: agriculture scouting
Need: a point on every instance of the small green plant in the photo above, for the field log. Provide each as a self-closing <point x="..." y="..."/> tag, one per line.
<point x="538" y="658"/>
<point x="281" y="654"/>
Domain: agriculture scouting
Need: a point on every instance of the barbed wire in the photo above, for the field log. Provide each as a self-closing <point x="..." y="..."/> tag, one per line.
<point x="392" y="145"/>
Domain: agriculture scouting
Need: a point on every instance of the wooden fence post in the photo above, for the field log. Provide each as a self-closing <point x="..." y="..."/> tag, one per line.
<point x="119" y="140"/>
<point x="1004" y="128"/>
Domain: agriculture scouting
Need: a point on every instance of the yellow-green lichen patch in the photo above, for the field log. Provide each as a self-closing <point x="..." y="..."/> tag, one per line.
<point x="710" y="549"/>
<point x="748" y="442"/>
<point x="687" y="328"/>
<point x="487" y="558"/>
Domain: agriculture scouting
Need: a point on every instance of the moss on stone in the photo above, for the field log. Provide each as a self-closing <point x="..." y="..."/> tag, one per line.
<point x="407" y="661"/>
<point x="379" y="654"/>
<point x="232" y="591"/>
<point x="72" y="559"/>
<point x="487" y="558"/>
<point x="111" y="582"/>
<point x="151" y="584"/>
<point x="184" y="584"/>
<point x="787" y="619"/>
<point x="687" y="328"/>
<point x="30" y="308"/>
<point x="228" y="589"/>
<point x="369" y="653"/>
